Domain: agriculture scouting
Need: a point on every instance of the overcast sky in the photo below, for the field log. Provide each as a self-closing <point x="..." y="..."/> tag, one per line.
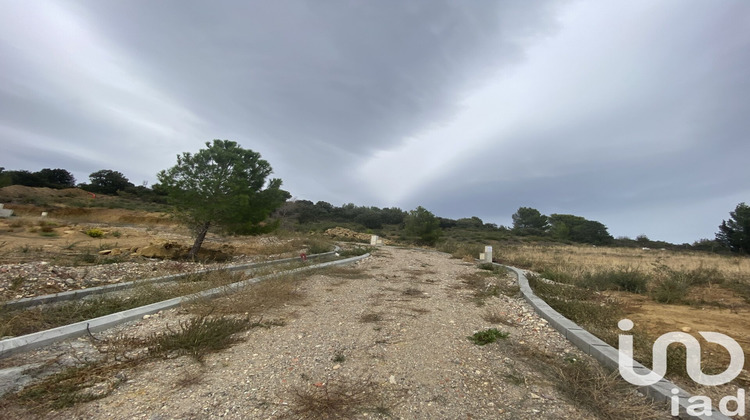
<point x="632" y="113"/>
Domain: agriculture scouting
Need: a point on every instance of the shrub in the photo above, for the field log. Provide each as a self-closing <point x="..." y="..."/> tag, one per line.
<point x="670" y="289"/>
<point x="199" y="336"/>
<point x="318" y="246"/>
<point x="626" y="279"/>
<point x="95" y="232"/>
<point x="487" y="336"/>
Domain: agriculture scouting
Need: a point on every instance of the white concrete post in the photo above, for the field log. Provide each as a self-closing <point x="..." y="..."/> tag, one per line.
<point x="487" y="254"/>
<point x="374" y="240"/>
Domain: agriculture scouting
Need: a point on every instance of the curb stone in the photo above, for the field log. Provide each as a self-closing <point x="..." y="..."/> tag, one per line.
<point x="79" y="293"/>
<point x="39" y="339"/>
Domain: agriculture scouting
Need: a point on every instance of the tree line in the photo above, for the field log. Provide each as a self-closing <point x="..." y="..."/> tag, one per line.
<point x="226" y="187"/>
<point x="104" y="181"/>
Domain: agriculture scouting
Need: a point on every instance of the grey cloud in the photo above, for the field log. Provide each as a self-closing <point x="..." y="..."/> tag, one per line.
<point x="357" y="74"/>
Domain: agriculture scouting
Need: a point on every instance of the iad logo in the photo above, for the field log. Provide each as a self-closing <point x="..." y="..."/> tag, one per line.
<point x="693" y="366"/>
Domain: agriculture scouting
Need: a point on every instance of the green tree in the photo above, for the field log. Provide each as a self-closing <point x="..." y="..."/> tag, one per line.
<point x="5" y="178"/>
<point x="422" y="225"/>
<point x="225" y="186"/>
<point x="735" y="232"/>
<point x="578" y="229"/>
<point x="107" y="181"/>
<point x="57" y="178"/>
<point x="529" y="221"/>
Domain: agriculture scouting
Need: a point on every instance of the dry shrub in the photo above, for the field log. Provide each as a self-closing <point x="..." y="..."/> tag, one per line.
<point x="345" y="272"/>
<point x="342" y="398"/>
<point x="589" y="386"/>
<point x="371" y="317"/>
<point x="496" y="316"/>
<point x="254" y="298"/>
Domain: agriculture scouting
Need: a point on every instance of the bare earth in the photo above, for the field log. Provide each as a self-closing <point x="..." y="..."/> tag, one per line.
<point x="416" y="358"/>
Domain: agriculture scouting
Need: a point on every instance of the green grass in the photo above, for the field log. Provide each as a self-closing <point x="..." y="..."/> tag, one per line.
<point x="487" y="336"/>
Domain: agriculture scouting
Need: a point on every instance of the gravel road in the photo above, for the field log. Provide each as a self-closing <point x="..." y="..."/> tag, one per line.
<point x="391" y="342"/>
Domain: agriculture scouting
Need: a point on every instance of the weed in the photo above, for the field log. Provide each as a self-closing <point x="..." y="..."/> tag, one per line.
<point x="189" y="378"/>
<point x="487" y="336"/>
<point x="371" y="317"/>
<point x="16" y="283"/>
<point x="94" y="232"/>
<point x="498" y="317"/>
<point x="588" y="385"/>
<point x="626" y="279"/>
<point x="413" y="291"/>
<point x="73" y="385"/>
<point x="198" y="337"/>
<point x="318" y="246"/>
<point x="339" y="399"/>
<point x="345" y="272"/>
<point x="488" y="266"/>
<point x="339" y="357"/>
<point x="486" y="285"/>
<point x="117" y="234"/>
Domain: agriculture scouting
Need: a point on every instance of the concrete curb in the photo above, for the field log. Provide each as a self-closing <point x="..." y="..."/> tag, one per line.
<point x="42" y="338"/>
<point x="75" y="294"/>
<point x="603" y="352"/>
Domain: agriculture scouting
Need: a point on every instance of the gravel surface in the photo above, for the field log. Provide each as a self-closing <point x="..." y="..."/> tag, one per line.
<point x="40" y="278"/>
<point x="407" y="358"/>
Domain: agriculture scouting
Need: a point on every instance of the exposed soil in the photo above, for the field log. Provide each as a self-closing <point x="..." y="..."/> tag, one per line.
<point x="390" y="338"/>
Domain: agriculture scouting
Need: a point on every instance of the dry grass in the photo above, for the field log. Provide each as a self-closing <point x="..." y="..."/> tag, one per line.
<point x="579" y="259"/>
<point x="371" y="317"/>
<point x="589" y="386"/>
<point x="256" y="298"/>
<point x="341" y="398"/>
<point x="495" y="316"/>
<point x="25" y="321"/>
<point x="199" y="336"/>
<point x="489" y="283"/>
<point x="345" y="272"/>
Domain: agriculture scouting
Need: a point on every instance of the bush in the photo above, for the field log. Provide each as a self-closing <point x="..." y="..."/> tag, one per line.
<point x="318" y="246"/>
<point x="671" y="289"/>
<point x="625" y="279"/>
<point x="95" y="232"/>
<point x="487" y="336"/>
<point x="423" y="226"/>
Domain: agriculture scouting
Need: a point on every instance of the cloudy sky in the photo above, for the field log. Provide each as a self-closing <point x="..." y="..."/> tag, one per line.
<point x="632" y="113"/>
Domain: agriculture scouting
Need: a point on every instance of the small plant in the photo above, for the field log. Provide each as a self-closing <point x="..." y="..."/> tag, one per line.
<point x="339" y="357"/>
<point x="370" y="317"/>
<point x="71" y="386"/>
<point x="117" y="234"/>
<point x="487" y="266"/>
<point x="94" y="232"/>
<point x="497" y="317"/>
<point x="338" y="399"/>
<point x="487" y="336"/>
<point x="318" y="246"/>
<point x="413" y="291"/>
<point x="199" y="336"/>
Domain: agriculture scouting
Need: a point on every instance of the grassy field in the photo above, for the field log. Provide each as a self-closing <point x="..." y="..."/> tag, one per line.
<point x="661" y="291"/>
